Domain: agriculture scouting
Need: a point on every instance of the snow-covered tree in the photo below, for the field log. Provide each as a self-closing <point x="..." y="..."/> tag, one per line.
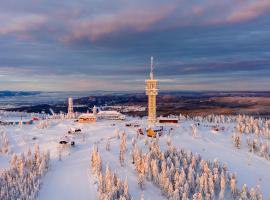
<point x="4" y="144"/>
<point x="194" y="130"/>
<point x="109" y="185"/>
<point x="141" y="180"/>
<point x="23" y="178"/>
<point x="96" y="162"/>
<point x="183" y="175"/>
<point x="121" y="157"/>
<point x="116" y="133"/>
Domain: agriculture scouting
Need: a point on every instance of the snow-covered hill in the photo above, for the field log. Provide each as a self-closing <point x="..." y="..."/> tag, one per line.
<point x="70" y="175"/>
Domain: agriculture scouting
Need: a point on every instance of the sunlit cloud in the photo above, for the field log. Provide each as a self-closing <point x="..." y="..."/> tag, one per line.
<point x="250" y="11"/>
<point x="129" y="20"/>
<point x="95" y="20"/>
<point x="79" y="45"/>
<point x="22" y="26"/>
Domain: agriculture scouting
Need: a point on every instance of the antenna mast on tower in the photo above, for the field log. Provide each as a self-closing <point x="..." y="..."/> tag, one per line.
<point x="152" y="68"/>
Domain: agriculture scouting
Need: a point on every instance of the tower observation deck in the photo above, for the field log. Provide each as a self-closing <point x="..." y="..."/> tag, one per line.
<point x="151" y="92"/>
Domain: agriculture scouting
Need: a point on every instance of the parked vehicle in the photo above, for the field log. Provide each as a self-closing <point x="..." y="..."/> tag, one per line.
<point x="67" y="140"/>
<point x="74" y="130"/>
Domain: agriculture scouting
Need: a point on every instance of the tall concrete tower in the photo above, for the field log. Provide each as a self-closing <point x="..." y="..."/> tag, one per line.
<point x="70" y="105"/>
<point x="151" y="92"/>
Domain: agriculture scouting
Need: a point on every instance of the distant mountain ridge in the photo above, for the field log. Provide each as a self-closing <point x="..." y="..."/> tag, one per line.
<point x="168" y="102"/>
<point x="7" y="93"/>
<point x="10" y="93"/>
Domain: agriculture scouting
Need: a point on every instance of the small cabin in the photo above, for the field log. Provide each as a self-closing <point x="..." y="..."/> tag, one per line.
<point x="87" y="118"/>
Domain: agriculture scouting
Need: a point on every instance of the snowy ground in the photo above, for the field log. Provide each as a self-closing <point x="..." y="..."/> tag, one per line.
<point x="70" y="177"/>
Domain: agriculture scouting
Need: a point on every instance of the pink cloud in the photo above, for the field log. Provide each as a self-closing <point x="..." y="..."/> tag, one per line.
<point x="132" y="20"/>
<point x="21" y="26"/>
<point x="249" y="12"/>
<point x="197" y="10"/>
<point x="242" y="11"/>
<point x="78" y="23"/>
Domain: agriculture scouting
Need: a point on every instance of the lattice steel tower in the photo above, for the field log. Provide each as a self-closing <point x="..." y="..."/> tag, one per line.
<point x="151" y="92"/>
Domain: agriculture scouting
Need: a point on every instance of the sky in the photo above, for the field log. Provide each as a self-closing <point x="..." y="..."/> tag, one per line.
<point x="87" y="45"/>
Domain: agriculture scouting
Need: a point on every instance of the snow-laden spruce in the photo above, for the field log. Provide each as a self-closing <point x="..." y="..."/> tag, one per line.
<point x="23" y="179"/>
<point x="4" y="143"/>
<point x="255" y="133"/>
<point x="184" y="175"/>
<point x="259" y="127"/>
<point x="123" y="148"/>
<point x="110" y="187"/>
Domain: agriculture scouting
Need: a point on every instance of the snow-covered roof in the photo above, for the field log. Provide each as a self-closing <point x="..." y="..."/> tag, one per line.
<point x="108" y="112"/>
<point x="168" y="118"/>
<point x="87" y="115"/>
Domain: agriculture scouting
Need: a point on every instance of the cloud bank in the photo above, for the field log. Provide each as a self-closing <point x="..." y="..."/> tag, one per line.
<point x="88" y="44"/>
